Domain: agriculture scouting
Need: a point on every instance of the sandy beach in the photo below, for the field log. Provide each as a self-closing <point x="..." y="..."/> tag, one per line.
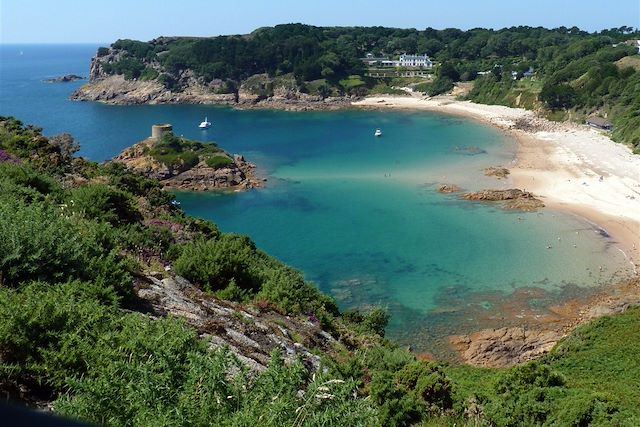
<point x="571" y="167"/>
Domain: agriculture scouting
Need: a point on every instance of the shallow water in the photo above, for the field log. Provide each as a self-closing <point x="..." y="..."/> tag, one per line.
<point x="359" y="215"/>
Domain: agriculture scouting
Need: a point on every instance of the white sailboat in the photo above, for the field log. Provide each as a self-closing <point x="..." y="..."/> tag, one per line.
<point x="378" y="132"/>
<point x="206" y="124"/>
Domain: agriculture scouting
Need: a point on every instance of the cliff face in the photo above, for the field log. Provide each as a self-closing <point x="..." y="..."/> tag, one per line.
<point x="108" y="83"/>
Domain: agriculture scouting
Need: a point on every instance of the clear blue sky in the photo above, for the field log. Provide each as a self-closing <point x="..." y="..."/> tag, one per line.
<point x="77" y="21"/>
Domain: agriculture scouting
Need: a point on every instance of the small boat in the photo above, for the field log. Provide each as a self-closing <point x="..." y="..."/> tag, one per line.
<point x="206" y="124"/>
<point x="378" y="132"/>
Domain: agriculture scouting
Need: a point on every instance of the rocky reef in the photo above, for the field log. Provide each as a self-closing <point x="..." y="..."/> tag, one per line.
<point x="503" y="347"/>
<point x="512" y="198"/>
<point x="449" y="188"/>
<point x="497" y="171"/>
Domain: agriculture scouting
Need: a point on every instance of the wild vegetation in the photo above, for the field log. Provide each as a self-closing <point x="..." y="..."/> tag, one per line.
<point x="74" y="235"/>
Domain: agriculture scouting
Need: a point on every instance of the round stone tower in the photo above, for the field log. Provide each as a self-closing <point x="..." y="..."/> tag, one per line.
<point x="160" y="129"/>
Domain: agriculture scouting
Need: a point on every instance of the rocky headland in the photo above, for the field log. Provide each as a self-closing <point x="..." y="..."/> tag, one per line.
<point x="159" y="85"/>
<point x="188" y="165"/>
<point x="249" y="333"/>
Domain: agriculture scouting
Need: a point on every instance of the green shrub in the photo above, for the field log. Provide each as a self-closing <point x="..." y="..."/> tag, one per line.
<point x="21" y="182"/>
<point x="41" y="243"/>
<point x="219" y="162"/>
<point x="46" y="332"/>
<point x="373" y="322"/>
<point x="149" y="74"/>
<point x="104" y="203"/>
<point x="213" y="264"/>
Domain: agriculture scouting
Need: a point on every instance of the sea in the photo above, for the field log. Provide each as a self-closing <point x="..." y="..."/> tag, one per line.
<point x="359" y="215"/>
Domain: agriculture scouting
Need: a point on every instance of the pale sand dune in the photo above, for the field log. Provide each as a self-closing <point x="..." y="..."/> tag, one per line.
<point x="560" y="162"/>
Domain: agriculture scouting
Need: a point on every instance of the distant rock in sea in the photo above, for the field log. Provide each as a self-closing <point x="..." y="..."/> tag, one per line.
<point x="65" y="79"/>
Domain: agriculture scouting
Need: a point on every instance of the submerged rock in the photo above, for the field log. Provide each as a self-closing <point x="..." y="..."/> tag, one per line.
<point x="449" y="188"/>
<point x="498" y="172"/>
<point x="471" y="150"/>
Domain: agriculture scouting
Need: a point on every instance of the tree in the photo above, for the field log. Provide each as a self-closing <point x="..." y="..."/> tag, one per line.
<point x="66" y="144"/>
<point x="447" y="70"/>
<point x="558" y="96"/>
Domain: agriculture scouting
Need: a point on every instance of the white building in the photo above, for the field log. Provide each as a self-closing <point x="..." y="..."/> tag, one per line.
<point x="414" y="61"/>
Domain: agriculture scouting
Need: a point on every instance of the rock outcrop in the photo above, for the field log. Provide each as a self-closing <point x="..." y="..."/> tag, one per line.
<point x="249" y="333"/>
<point x="162" y="86"/>
<point x="65" y="79"/>
<point x="498" y="348"/>
<point x="236" y="174"/>
<point x="512" y="198"/>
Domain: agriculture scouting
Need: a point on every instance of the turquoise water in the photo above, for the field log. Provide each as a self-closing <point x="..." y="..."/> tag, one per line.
<point x="359" y="215"/>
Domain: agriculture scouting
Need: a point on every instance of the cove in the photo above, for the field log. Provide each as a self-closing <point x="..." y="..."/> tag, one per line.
<point x="362" y="218"/>
<point x="359" y="215"/>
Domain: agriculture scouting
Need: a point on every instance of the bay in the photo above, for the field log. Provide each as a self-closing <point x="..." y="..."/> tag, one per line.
<point x="359" y="215"/>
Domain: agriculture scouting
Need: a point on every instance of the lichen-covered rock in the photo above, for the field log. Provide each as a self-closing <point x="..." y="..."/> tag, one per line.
<point x="251" y="335"/>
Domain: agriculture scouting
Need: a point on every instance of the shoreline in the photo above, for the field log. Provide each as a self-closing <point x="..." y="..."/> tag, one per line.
<point x="560" y="162"/>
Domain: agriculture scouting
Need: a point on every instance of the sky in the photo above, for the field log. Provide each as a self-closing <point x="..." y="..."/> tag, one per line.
<point x="87" y="21"/>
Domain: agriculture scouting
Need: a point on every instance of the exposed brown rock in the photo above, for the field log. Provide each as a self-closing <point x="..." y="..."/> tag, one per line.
<point x="239" y="175"/>
<point x="449" y="188"/>
<point x="497" y="348"/>
<point x="507" y="346"/>
<point x="512" y="198"/>
<point x="497" y="171"/>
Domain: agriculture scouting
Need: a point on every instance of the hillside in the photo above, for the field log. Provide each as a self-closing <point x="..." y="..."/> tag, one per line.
<point x="564" y="73"/>
<point x="116" y="308"/>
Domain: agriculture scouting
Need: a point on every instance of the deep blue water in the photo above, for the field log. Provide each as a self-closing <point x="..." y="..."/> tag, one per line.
<point x="359" y="215"/>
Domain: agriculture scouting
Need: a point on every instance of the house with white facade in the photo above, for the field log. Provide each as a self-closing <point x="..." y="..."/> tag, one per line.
<point x="422" y="61"/>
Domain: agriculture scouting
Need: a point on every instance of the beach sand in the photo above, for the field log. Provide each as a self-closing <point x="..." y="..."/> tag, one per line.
<point x="571" y="167"/>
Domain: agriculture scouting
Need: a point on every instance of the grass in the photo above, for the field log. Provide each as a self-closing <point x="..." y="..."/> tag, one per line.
<point x="604" y="356"/>
<point x="218" y="161"/>
<point x="182" y="154"/>
<point x="383" y="89"/>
